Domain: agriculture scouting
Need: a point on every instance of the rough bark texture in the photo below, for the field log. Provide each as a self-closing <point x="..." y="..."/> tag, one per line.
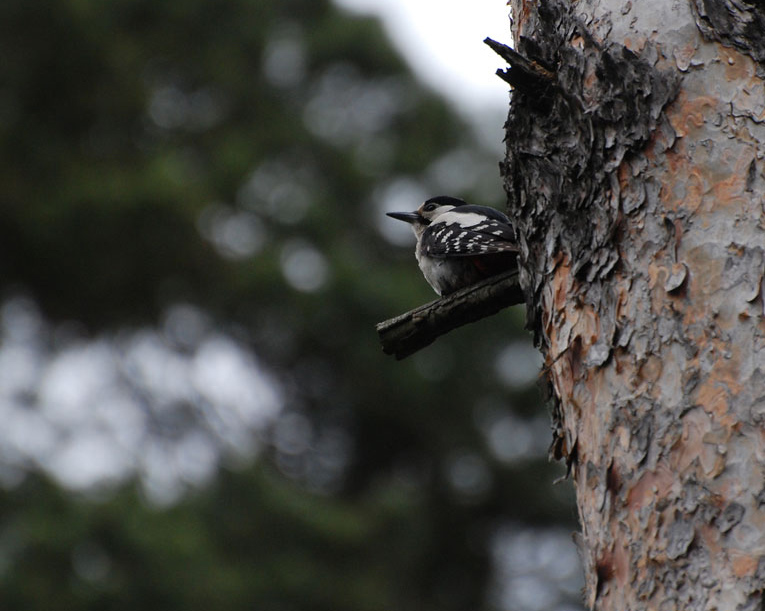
<point x="637" y="184"/>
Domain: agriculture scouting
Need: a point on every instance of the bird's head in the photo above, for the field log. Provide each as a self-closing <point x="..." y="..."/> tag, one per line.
<point x="428" y="211"/>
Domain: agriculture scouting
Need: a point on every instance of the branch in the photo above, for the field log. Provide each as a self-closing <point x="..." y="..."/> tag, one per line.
<point x="523" y="73"/>
<point x="412" y="331"/>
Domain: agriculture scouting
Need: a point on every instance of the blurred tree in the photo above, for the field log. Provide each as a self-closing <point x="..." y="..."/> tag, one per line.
<point x="182" y="179"/>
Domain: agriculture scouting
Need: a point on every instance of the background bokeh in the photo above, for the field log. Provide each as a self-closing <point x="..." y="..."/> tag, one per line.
<point x="194" y="409"/>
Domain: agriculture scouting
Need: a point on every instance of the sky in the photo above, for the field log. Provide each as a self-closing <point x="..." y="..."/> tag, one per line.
<point x="443" y="42"/>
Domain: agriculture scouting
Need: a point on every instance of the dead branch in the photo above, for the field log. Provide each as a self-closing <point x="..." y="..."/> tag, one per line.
<point x="523" y="73"/>
<point x="406" y="334"/>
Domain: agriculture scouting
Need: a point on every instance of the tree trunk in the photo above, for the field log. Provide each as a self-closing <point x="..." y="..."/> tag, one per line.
<point x="636" y="177"/>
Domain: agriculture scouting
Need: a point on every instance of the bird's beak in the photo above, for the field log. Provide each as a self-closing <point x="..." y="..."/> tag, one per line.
<point x="407" y="217"/>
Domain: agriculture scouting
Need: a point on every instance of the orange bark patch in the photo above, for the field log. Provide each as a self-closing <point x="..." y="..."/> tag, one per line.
<point x="729" y="190"/>
<point x="694" y="190"/>
<point x="560" y="285"/>
<point x="682" y="185"/>
<point x="587" y="326"/>
<point x="690" y="446"/>
<point x="613" y="565"/>
<point x="684" y="55"/>
<point x="625" y="175"/>
<point x="590" y="79"/>
<point x="677" y="158"/>
<point x="744" y="566"/>
<point x="699" y="444"/>
<point x="710" y="536"/>
<point x="687" y="115"/>
<point x="651" y="484"/>
<point x="523" y="17"/>
<point x="737" y="66"/>
<point x="706" y="271"/>
<point x="621" y="565"/>
<point x="564" y="379"/>
<point x="650" y="370"/>
<point x="713" y="395"/>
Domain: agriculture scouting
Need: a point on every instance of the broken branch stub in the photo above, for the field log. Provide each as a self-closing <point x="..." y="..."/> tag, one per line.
<point x="404" y="335"/>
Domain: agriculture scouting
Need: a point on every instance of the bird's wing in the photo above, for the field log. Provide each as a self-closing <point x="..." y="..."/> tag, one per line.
<point x="455" y="240"/>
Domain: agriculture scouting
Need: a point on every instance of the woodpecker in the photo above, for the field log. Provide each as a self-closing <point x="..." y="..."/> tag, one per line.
<point x="459" y="244"/>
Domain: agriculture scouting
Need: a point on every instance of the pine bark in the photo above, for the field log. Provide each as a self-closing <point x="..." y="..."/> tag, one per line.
<point x="637" y="180"/>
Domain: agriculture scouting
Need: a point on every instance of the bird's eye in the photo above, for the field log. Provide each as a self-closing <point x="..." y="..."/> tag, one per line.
<point x="429" y="207"/>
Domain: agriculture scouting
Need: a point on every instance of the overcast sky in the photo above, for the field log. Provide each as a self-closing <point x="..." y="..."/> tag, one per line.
<point x="443" y="41"/>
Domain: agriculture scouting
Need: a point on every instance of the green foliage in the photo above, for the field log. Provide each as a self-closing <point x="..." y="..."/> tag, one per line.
<point x="136" y="137"/>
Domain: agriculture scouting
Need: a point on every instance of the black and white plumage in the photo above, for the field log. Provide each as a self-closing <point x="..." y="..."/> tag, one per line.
<point x="459" y="244"/>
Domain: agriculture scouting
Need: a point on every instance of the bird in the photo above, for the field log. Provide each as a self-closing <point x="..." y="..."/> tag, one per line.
<point x="458" y="243"/>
